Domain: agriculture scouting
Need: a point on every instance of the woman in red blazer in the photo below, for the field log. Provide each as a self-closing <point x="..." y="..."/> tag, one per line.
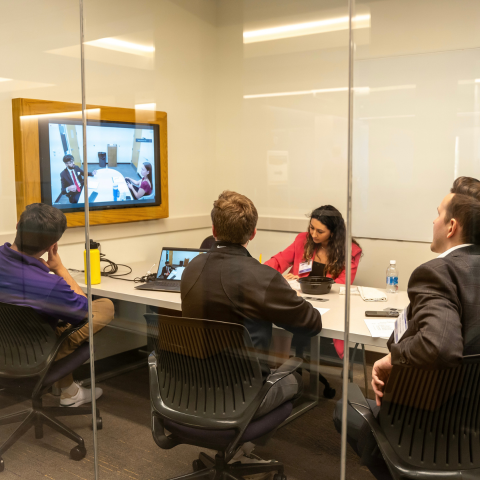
<point x="319" y="252"/>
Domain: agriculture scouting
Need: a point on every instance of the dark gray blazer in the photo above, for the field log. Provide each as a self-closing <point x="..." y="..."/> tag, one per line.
<point x="444" y="312"/>
<point x="227" y="284"/>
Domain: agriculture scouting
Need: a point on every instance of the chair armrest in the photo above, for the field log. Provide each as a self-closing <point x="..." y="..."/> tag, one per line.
<point x="158" y="431"/>
<point x="290" y="365"/>
<point x="65" y="334"/>
<point x="283" y="371"/>
<point x="355" y="396"/>
<point x="393" y="461"/>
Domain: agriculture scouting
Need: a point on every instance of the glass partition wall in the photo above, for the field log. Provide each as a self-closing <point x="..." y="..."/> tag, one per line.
<point x="45" y="432"/>
<point x="345" y="123"/>
<point x="255" y="99"/>
<point x="414" y="117"/>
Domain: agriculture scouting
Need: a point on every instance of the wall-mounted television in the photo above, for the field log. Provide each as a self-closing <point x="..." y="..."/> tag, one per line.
<point x="127" y="158"/>
<point x="123" y="164"/>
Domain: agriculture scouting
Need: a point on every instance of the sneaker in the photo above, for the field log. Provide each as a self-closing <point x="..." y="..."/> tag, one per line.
<point x="244" y="455"/>
<point x="83" y="395"/>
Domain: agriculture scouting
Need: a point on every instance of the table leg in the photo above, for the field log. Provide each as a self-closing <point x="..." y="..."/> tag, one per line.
<point x="312" y="399"/>
<point x="365" y="370"/>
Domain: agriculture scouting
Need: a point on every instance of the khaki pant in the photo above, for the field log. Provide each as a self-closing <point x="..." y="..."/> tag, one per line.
<point x="102" y="315"/>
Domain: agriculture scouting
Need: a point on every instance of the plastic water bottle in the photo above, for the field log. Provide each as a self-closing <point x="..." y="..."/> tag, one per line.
<point x="392" y="277"/>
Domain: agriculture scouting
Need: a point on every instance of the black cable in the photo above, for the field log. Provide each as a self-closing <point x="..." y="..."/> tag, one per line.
<point x="111" y="270"/>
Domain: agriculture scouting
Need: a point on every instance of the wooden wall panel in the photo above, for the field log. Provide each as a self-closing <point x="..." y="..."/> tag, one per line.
<point x="27" y="157"/>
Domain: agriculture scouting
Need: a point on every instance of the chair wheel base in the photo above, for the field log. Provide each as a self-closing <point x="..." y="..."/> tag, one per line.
<point x="278" y="476"/>
<point x="78" y="453"/>
<point x="329" y="392"/>
<point x="198" y="465"/>
<point x="2" y="465"/>
<point x="99" y="423"/>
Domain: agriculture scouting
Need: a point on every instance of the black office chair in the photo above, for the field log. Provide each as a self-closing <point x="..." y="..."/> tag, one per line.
<point x="429" y="422"/>
<point x="205" y="387"/>
<point x="208" y="243"/>
<point x="28" y="347"/>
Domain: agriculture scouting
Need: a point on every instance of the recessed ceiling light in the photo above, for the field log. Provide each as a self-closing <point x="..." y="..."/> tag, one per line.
<point x="308" y="28"/>
<point x="111" y="43"/>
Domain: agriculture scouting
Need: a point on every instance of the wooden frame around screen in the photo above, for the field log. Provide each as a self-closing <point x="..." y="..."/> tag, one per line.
<point x="27" y="156"/>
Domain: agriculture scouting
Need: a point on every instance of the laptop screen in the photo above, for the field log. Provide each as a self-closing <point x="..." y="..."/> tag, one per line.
<point x="173" y="262"/>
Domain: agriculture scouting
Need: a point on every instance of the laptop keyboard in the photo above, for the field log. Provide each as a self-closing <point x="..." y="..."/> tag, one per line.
<point x="161" y="285"/>
<point x="164" y="283"/>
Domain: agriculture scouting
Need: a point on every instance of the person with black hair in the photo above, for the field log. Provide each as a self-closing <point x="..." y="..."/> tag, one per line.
<point x="25" y="280"/>
<point x="320" y="251"/>
<point x="73" y="179"/>
<point x="144" y="186"/>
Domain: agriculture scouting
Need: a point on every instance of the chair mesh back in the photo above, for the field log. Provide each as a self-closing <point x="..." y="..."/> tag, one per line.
<point x="206" y="368"/>
<point x="26" y="340"/>
<point x="431" y="418"/>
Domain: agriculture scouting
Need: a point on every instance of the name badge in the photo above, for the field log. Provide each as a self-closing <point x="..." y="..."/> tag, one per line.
<point x="401" y="325"/>
<point x="305" y="267"/>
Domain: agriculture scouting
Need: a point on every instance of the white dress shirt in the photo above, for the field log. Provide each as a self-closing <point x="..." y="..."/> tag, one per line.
<point x="450" y="250"/>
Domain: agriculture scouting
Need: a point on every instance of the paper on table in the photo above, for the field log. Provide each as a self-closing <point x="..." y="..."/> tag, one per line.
<point x="294" y="284"/>
<point x="369" y="294"/>
<point x="322" y="310"/>
<point x="353" y="290"/>
<point x="118" y="179"/>
<point x="380" y="328"/>
<point x="92" y="183"/>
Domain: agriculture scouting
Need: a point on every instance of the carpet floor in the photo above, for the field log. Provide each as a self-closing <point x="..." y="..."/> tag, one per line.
<point x="309" y="446"/>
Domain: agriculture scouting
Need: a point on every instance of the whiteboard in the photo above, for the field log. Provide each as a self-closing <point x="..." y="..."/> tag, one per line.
<point x="416" y="128"/>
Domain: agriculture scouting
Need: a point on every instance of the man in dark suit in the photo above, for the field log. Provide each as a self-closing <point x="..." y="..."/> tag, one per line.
<point x="166" y="270"/>
<point x="443" y="317"/>
<point x="72" y="179"/>
<point x="227" y="284"/>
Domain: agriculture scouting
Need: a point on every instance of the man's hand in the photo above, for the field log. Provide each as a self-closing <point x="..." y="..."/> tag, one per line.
<point x="71" y="188"/>
<point x="54" y="262"/>
<point x="380" y="373"/>
<point x="94" y="172"/>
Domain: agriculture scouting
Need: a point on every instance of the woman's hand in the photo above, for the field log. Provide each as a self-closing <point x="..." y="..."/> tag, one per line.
<point x="291" y="276"/>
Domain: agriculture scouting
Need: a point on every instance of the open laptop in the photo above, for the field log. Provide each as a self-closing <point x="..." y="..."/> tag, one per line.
<point x="173" y="262"/>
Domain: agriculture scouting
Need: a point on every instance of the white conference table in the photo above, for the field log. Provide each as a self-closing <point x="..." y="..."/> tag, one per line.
<point x="102" y="183"/>
<point x="333" y="321"/>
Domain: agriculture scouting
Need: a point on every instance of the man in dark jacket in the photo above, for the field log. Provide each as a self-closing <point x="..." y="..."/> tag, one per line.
<point x="442" y="322"/>
<point x="227" y="284"/>
<point x="73" y="179"/>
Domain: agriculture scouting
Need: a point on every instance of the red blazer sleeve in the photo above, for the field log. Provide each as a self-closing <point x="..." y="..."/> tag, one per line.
<point x="291" y="256"/>
<point x="356" y="254"/>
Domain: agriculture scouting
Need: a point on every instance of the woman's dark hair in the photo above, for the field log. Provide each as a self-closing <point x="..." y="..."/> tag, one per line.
<point x="149" y="169"/>
<point x="39" y="227"/>
<point x="333" y="220"/>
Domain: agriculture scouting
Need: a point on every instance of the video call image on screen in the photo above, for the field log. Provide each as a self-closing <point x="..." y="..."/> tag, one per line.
<point x="173" y="263"/>
<point x="122" y="165"/>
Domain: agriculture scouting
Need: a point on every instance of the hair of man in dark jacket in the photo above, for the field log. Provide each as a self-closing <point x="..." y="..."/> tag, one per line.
<point x="234" y="217"/>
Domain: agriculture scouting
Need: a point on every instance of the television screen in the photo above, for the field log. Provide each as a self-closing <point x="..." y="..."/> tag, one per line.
<point x="123" y="164"/>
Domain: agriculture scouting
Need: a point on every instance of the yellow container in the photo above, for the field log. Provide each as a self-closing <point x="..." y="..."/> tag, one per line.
<point x="94" y="265"/>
